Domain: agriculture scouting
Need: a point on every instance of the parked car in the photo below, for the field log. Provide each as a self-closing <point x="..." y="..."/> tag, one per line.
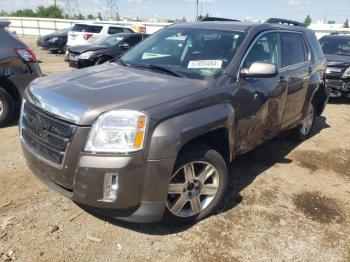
<point x="18" y="67"/>
<point x="56" y="41"/>
<point x="336" y="48"/>
<point x="104" y="50"/>
<point x="89" y="33"/>
<point x="150" y="136"/>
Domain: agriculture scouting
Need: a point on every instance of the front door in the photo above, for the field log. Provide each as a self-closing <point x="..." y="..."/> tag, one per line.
<point x="261" y="100"/>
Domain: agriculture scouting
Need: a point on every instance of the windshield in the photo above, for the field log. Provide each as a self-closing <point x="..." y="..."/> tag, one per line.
<point x="336" y="46"/>
<point x="110" y="40"/>
<point x="194" y="53"/>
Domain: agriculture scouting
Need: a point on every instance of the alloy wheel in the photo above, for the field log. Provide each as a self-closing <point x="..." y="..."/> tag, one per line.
<point x="192" y="188"/>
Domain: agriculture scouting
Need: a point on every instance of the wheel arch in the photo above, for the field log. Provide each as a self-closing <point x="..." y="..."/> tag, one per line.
<point x="11" y="89"/>
<point x="213" y="126"/>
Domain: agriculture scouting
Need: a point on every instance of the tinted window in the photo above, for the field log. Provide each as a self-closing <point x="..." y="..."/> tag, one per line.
<point x="293" y="49"/>
<point x="336" y="45"/>
<point x="114" y="30"/>
<point x="315" y="45"/>
<point x="133" y="40"/>
<point x="265" y="49"/>
<point x="127" y="30"/>
<point x="87" y="28"/>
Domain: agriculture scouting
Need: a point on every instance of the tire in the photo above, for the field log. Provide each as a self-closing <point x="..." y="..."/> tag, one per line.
<point x="63" y="49"/>
<point x="6" y="107"/>
<point x="304" y="130"/>
<point x="191" y="200"/>
<point x="101" y="60"/>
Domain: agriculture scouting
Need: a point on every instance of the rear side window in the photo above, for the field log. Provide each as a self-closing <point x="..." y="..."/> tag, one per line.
<point x="87" y="28"/>
<point x="293" y="49"/>
<point x="127" y="30"/>
<point x="114" y="30"/>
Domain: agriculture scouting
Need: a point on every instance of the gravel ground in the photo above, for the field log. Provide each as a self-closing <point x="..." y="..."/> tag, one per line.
<point x="287" y="202"/>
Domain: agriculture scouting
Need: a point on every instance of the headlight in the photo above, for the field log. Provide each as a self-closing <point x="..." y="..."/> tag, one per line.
<point x="118" y="131"/>
<point x="86" y="55"/>
<point x="346" y="73"/>
<point x="53" y="39"/>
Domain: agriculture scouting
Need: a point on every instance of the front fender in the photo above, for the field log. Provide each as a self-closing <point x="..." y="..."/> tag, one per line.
<point x="172" y="134"/>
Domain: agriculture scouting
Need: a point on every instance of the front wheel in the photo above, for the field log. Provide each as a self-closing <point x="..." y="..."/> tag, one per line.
<point x="304" y="129"/>
<point x="197" y="186"/>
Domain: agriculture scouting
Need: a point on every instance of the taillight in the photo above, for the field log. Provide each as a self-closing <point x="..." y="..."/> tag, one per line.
<point x="26" y="54"/>
<point x="87" y="36"/>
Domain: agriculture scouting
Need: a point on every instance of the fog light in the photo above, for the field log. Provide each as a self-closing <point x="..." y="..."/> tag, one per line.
<point x="110" y="187"/>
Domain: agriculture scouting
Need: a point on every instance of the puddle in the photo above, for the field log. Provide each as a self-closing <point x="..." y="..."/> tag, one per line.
<point x="319" y="208"/>
<point x="338" y="161"/>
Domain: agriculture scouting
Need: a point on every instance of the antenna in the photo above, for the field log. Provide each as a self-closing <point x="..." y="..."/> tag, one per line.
<point x="112" y="12"/>
<point x="72" y="7"/>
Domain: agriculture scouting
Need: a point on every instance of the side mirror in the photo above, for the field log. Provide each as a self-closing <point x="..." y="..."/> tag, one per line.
<point x="124" y="46"/>
<point x="260" y="69"/>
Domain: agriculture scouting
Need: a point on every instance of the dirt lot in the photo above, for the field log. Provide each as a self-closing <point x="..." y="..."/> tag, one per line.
<point x="287" y="202"/>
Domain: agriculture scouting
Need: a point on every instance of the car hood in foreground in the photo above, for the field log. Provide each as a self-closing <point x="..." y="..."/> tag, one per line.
<point x="82" y="95"/>
<point x="338" y="60"/>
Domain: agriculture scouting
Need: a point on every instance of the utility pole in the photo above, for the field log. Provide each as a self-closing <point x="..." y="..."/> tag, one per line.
<point x="55" y="3"/>
<point x="197" y="11"/>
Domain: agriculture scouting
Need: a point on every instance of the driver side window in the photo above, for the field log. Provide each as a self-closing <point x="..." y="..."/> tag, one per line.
<point x="265" y="49"/>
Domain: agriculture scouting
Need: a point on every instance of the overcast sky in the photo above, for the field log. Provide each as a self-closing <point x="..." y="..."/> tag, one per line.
<point x="337" y="10"/>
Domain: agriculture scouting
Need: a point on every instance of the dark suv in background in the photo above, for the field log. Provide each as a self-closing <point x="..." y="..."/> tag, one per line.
<point x="151" y="135"/>
<point x="18" y="67"/>
<point x="336" y="47"/>
<point x="103" y="50"/>
<point x="56" y="41"/>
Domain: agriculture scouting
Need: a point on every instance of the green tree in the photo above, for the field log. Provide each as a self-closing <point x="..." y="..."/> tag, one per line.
<point x="184" y="19"/>
<point x="90" y="17"/>
<point x="346" y="24"/>
<point x="99" y="16"/>
<point x="51" y="11"/>
<point x="24" y="13"/>
<point x="307" y="21"/>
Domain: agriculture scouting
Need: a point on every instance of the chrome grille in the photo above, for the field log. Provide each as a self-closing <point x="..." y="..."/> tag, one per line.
<point x="45" y="135"/>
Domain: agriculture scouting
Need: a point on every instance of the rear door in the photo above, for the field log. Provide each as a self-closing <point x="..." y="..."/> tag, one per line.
<point x="83" y="34"/>
<point x="296" y="61"/>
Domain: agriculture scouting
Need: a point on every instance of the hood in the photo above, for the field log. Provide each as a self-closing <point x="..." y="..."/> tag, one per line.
<point x="82" y="95"/>
<point x="338" y="60"/>
<point x="84" y="48"/>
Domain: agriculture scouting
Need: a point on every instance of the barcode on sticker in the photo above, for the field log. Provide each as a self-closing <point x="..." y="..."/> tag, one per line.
<point x="205" y="64"/>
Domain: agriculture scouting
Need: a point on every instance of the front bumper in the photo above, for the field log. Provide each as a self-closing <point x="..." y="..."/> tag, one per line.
<point x="142" y="184"/>
<point x="338" y="87"/>
<point x="81" y="63"/>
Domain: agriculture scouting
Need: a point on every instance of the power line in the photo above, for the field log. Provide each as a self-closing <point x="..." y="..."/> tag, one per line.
<point x="112" y="12"/>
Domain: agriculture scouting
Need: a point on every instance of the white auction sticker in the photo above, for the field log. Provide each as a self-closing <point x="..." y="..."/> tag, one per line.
<point x="205" y="64"/>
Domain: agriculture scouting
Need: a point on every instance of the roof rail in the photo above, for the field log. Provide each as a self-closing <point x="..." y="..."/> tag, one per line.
<point x="209" y="19"/>
<point x="283" y="22"/>
<point x="4" y="23"/>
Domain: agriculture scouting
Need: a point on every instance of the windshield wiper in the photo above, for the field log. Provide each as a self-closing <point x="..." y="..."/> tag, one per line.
<point x="160" y="68"/>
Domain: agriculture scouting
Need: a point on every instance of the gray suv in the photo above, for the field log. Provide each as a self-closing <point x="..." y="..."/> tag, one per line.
<point x="18" y="67"/>
<point x="150" y="135"/>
